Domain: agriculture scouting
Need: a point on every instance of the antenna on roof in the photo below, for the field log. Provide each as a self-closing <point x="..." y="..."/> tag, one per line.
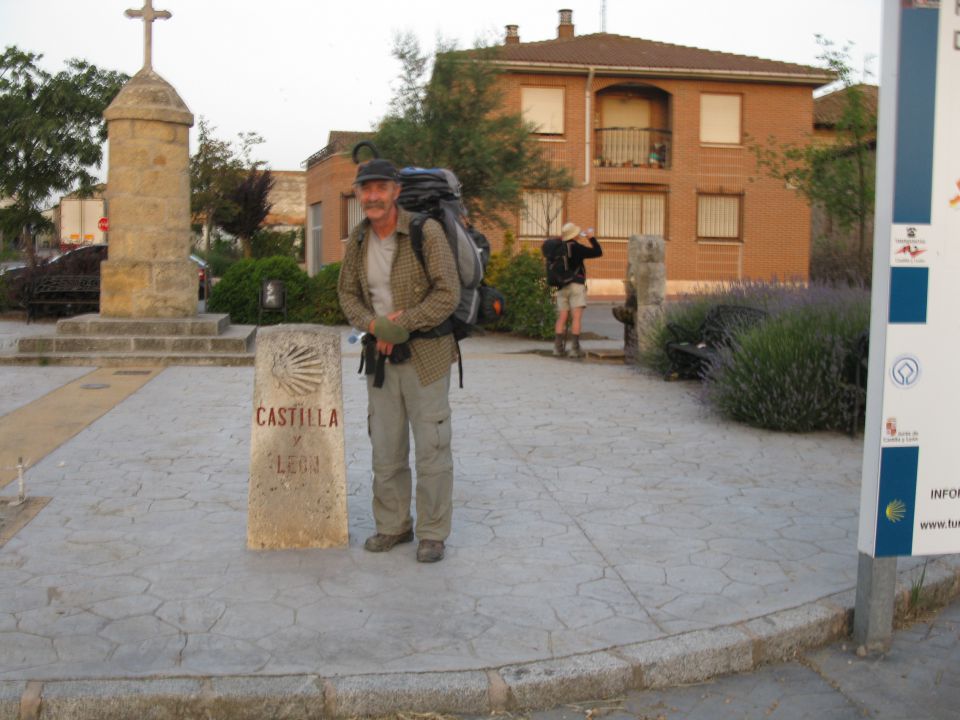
<point x="603" y="16"/>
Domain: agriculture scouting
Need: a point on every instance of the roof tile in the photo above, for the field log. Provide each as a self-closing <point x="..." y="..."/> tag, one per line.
<point x="609" y="50"/>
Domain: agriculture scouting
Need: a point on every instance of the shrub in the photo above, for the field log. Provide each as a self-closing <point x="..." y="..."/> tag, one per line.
<point x="791" y="372"/>
<point x="530" y="310"/>
<point x="238" y="292"/>
<point x="323" y="296"/>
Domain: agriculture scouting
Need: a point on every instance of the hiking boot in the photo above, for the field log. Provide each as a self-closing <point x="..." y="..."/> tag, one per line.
<point x="558" y="345"/>
<point x="382" y="543"/>
<point x="575" y="351"/>
<point x="430" y="551"/>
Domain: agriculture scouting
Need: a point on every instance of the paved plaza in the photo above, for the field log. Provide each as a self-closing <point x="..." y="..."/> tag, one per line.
<point x="608" y="530"/>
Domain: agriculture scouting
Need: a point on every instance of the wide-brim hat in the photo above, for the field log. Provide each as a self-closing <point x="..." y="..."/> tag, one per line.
<point x="569" y="231"/>
<point x="377" y="169"/>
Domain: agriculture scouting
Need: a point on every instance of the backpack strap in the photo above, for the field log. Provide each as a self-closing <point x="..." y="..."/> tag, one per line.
<point x="416" y="235"/>
<point x="446" y="327"/>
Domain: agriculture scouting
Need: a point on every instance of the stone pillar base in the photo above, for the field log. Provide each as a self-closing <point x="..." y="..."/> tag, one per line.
<point x="148" y="289"/>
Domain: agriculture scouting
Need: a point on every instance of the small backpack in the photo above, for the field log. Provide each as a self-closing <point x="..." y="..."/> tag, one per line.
<point x="561" y="269"/>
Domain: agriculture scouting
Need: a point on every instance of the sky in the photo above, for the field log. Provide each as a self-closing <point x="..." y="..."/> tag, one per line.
<point x="293" y="70"/>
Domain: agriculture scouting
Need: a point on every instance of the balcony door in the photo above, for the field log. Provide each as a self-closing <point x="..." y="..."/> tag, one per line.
<point x="626" y="119"/>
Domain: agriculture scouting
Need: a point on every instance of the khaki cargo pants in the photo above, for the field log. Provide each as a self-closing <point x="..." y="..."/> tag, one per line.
<point x="392" y="411"/>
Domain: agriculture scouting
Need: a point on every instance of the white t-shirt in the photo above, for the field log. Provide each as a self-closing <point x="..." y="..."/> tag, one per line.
<point x="380" y="252"/>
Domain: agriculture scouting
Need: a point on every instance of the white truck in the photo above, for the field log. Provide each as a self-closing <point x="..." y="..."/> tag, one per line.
<point x="78" y="220"/>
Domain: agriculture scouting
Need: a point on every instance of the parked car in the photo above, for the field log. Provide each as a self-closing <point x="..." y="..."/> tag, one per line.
<point x="83" y="260"/>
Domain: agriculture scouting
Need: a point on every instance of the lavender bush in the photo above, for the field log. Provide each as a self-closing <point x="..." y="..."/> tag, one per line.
<point x="793" y="371"/>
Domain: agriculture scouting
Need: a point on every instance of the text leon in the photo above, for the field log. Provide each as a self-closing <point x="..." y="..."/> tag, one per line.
<point x="297" y="417"/>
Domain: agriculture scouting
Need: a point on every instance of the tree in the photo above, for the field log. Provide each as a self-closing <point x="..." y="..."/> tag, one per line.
<point x="250" y="200"/>
<point x="838" y="177"/>
<point x="214" y="172"/>
<point x="455" y="119"/>
<point x="217" y="169"/>
<point x="51" y="134"/>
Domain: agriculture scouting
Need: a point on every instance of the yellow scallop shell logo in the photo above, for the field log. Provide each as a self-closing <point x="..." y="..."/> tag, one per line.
<point x="896" y="511"/>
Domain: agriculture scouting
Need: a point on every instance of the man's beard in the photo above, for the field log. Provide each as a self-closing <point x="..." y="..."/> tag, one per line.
<point x="374" y="205"/>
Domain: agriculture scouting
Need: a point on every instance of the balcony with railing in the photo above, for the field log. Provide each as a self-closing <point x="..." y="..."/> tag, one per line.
<point x="631" y="154"/>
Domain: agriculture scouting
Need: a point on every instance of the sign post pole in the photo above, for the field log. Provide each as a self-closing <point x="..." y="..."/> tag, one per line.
<point x="910" y="497"/>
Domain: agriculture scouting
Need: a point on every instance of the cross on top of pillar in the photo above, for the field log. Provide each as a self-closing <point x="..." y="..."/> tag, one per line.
<point x="149" y="15"/>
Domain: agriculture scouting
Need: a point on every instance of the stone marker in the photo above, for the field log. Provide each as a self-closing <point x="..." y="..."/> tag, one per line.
<point x="298" y="487"/>
<point x="648" y="277"/>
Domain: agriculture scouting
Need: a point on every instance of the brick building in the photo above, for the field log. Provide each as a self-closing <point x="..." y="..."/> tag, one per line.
<point x="656" y="139"/>
<point x="287" y="211"/>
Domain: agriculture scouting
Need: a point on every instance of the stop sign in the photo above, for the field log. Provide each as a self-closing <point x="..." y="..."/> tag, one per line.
<point x="103" y="224"/>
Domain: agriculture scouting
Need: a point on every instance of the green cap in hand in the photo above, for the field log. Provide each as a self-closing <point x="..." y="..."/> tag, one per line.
<point x="389" y="331"/>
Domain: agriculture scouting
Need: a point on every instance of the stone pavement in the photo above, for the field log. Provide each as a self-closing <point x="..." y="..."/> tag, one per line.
<point x="610" y="533"/>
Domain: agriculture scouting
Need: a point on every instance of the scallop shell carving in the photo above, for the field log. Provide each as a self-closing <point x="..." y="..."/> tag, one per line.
<point x="298" y="370"/>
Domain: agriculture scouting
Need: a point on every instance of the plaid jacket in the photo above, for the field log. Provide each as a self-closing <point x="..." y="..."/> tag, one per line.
<point x="428" y="294"/>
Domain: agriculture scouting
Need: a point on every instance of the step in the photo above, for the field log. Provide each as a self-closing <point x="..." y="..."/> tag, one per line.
<point x="236" y="339"/>
<point x="95" y="324"/>
<point x="129" y="359"/>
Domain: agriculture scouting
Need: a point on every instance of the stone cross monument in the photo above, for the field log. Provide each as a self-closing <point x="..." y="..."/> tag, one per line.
<point x="148" y="273"/>
<point x="149" y="15"/>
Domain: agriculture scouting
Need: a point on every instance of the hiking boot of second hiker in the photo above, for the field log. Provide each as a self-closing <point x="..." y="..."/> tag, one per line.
<point x="382" y="543"/>
<point x="575" y="351"/>
<point x="558" y="345"/>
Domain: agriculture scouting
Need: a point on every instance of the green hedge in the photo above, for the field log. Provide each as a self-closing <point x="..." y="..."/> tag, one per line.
<point x="324" y="297"/>
<point x="530" y="309"/>
<point x="309" y="300"/>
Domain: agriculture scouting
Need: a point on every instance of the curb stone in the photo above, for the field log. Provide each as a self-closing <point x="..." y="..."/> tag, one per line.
<point x="10" y="693"/>
<point x="438" y="692"/>
<point x="157" y="699"/>
<point x="687" y="658"/>
<point x="298" y="697"/>
<point x="553" y="682"/>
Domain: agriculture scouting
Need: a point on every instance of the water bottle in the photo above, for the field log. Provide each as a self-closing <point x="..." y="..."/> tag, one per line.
<point x="355" y="336"/>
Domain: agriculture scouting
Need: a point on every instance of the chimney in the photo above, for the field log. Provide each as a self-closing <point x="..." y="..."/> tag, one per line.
<point x="513" y="35"/>
<point x="565" y="28"/>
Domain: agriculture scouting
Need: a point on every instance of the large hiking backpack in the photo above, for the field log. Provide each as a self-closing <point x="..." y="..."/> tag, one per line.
<point x="561" y="269"/>
<point x="435" y="194"/>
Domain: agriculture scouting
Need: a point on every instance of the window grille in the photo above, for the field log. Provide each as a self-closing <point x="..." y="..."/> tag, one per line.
<point x="718" y="217"/>
<point x="620" y="215"/>
<point x="352" y="214"/>
<point x="542" y="214"/>
<point x="316" y="234"/>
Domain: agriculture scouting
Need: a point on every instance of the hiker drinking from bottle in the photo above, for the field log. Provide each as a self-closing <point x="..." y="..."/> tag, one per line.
<point x="385" y="289"/>
<point x="566" y="272"/>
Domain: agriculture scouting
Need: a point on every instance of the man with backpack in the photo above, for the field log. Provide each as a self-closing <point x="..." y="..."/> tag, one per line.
<point x="399" y="298"/>
<point x="566" y="272"/>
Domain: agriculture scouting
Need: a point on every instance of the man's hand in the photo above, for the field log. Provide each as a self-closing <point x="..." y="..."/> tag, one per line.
<point x="384" y="347"/>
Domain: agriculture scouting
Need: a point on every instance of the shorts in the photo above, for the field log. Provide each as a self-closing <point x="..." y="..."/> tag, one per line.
<point x="572" y="295"/>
